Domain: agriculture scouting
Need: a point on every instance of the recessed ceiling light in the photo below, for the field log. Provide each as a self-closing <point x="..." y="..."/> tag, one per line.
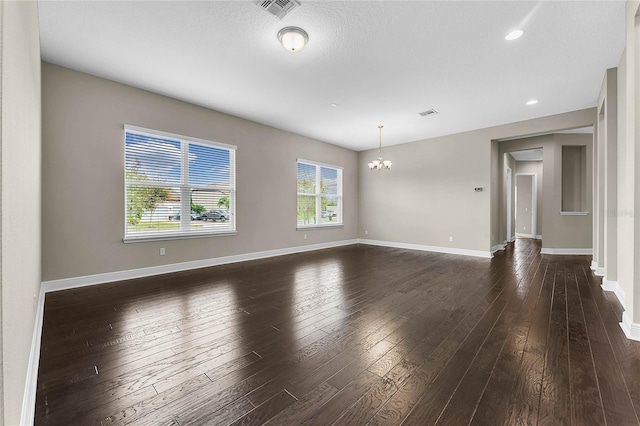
<point x="334" y="105"/>
<point x="532" y="102"/>
<point x="514" y="35"/>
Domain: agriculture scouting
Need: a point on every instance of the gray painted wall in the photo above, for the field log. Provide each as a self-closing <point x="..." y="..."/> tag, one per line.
<point x="20" y="246"/>
<point x="561" y="232"/>
<point x="607" y="183"/>
<point x="509" y="163"/>
<point x="534" y="167"/>
<point x="428" y="195"/>
<point x="626" y="182"/>
<point x="83" y="178"/>
<point x="524" y="204"/>
<point x="627" y="213"/>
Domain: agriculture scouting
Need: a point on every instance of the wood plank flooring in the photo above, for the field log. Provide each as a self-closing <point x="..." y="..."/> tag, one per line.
<point x="353" y="335"/>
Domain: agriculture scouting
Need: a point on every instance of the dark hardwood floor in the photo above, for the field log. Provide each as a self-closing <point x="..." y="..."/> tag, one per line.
<point x="353" y="335"/>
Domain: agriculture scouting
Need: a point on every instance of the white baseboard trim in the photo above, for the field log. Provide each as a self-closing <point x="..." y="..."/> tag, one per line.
<point x="29" y="398"/>
<point x="594" y="265"/>
<point x="436" y="249"/>
<point x="567" y="251"/>
<point x="75" y="282"/>
<point x="498" y="247"/>
<point x="520" y="235"/>
<point x="630" y="329"/>
<point x="28" y="412"/>
<point x="599" y="272"/>
<point x="609" y="285"/>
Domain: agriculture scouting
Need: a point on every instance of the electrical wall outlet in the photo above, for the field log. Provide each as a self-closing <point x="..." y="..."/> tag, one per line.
<point x="162" y="251"/>
<point x="304" y="236"/>
<point x="366" y="232"/>
<point x="451" y="238"/>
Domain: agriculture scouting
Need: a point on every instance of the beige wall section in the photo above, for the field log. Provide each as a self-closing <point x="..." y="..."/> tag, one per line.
<point x="626" y="184"/>
<point x="430" y="189"/>
<point x="83" y="178"/>
<point x="524" y="204"/>
<point x="633" y="32"/>
<point x="628" y="167"/>
<point x="494" y="198"/>
<point x="534" y="167"/>
<point x="509" y="164"/>
<point x="609" y="104"/>
<point x="20" y="196"/>
<point x="562" y="232"/>
<point x="429" y="194"/>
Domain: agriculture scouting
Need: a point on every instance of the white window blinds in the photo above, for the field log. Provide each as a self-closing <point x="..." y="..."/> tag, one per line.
<point x="176" y="186"/>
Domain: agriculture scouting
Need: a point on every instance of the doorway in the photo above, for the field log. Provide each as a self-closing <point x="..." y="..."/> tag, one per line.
<point x="526" y="205"/>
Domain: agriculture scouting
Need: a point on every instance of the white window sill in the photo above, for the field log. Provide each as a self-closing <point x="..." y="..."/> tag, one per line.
<point x="168" y="237"/>
<point x="324" y="225"/>
<point x="574" y="213"/>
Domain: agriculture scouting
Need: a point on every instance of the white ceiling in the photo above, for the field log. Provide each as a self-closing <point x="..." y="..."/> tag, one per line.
<point x="382" y="62"/>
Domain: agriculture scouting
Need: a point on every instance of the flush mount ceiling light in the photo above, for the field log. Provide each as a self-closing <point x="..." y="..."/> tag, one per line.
<point x="532" y="102"/>
<point x="293" y="38"/>
<point x="380" y="164"/>
<point x="514" y="35"/>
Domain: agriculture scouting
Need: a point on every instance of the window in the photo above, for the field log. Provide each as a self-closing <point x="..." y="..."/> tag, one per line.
<point x="319" y="194"/>
<point x="177" y="187"/>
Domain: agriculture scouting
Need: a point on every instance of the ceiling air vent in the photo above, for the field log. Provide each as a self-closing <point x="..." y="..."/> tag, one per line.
<point x="428" y="112"/>
<point x="278" y="8"/>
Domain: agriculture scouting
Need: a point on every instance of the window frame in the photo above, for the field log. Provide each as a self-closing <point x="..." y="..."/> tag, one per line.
<point x="318" y="195"/>
<point x="185" y="189"/>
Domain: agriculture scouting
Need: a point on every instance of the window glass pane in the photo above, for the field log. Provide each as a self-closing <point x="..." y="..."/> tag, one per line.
<point x="306" y="210"/>
<point x="329" y="181"/>
<point x="152" y="159"/>
<point x="209" y="166"/>
<point x="306" y="178"/>
<point x="164" y="198"/>
<point x="330" y="210"/>
<point x="319" y="195"/>
<point x="210" y="210"/>
<point x="152" y="209"/>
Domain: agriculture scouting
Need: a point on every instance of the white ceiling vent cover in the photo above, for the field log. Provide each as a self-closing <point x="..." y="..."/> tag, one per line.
<point x="428" y="112"/>
<point x="278" y="8"/>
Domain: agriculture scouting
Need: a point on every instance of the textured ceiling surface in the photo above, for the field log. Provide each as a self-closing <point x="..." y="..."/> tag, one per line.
<point x="381" y="62"/>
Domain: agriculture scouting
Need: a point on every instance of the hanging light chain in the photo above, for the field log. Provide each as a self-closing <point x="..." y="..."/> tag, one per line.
<point x="380" y="164"/>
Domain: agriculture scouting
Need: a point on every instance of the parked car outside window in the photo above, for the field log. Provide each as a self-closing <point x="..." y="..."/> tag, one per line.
<point x="216" y="215"/>
<point x="194" y="216"/>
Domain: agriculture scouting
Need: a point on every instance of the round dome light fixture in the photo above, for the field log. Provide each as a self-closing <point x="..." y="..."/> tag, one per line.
<point x="293" y="38"/>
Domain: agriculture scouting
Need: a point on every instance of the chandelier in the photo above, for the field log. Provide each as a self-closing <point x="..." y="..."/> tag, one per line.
<point x="380" y="164"/>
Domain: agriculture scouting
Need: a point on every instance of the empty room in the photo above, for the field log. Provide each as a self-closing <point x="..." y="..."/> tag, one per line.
<point x="292" y="212"/>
